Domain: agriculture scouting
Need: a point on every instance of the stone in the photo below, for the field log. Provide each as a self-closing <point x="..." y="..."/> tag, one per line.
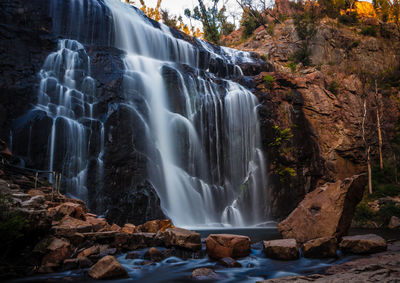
<point x="75" y="263"/>
<point x="229" y="262"/>
<point x="153" y="254"/>
<point x="204" y="274"/>
<point x="68" y="209"/>
<point x="154" y="226"/>
<point x="34" y="192"/>
<point x="363" y="244"/>
<point x="183" y="238"/>
<point x="107" y="268"/>
<point x="320" y="248"/>
<point x="69" y="226"/>
<point x="34" y="202"/>
<point x="115" y="228"/>
<point x="91" y="251"/>
<point x="97" y="223"/>
<point x="284" y="249"/>
<point x="58" y="251"/>
<point x="128" y="228"/>
<point x="227" y="245"/>
<point x="325" y="212"/>
<point x="394" y="222"/>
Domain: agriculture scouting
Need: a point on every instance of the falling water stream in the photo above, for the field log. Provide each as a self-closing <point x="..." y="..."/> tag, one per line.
<point x="202" y="132"/>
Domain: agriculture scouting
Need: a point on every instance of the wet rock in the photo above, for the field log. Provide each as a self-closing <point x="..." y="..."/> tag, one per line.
<point x="132" y="255"/>
<point x="58" y="251"/>
<point x="226" y="245"/>
<point x="153" y="254"/>
<point x="363" y="244"/>
<point x="75" y="263"/>
<point x="128" y="228"/>
<point x="106" y="268"/>
<point x="183" y="253"/>
<point x="98" y="224"/>
<point x="69" y="226"/>
<point x="67" y="209"/>
<point x="204" y="274"/>
<point x="285" y="249"/>
<point x="394" y="222"/>
<point x="183" y="238"/>
<point x="325" y="212"/>
<point x="229" y="262"/>
<point x="93" y="250"/>
<point x="115" y="228"/>
<point x="320" y="248"/>
<point x="155" y="225"/>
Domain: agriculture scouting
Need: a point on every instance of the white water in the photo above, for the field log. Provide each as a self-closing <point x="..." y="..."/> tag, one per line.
<point x="201" y="131"/>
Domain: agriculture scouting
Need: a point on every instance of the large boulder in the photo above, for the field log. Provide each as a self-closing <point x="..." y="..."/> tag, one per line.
<point x="325" y="212"/>
<point x="320" y="248"/>
<point x="106" y="268"/>
<point x="182" y="238"/>
<point x="285" y="249"/>
<point x="226" y="245"/>
<point x="363" y="244"/>
<point x="57" y="251"/>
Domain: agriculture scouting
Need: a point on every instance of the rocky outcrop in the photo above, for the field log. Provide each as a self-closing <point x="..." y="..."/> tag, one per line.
<point x="285" y="249"/>
<point x="363" y="244"/>
<point x="320" y="247"/>
<point x="178" y="237"/>
<point x="225" y="245"/>
<point x="325" y="212"/>
<point x="107" y="268"/>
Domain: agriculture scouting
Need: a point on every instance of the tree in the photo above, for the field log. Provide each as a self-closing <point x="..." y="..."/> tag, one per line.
<point x="213" y="20"/>
<point x="153" y="13"/>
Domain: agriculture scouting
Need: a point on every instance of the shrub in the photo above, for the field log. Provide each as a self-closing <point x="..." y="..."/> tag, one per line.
<point x="249" y="23"/>
<point x="268" y="81"/>
<point x="270" y="29"/>
<point x="363" y="212"/>
<point x="334" y="87"/>
<point x="350" y="19"/>
<point x="292" y="66"/>
<point x="303" y="56"/>
<point x="369" y="31"/>
<point x="386" y="212"/>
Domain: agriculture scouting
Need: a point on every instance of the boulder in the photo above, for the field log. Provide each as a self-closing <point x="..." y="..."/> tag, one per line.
<point x="325" y="212"/>
<point x="34" y="192"/>
<point x="128" y="228"/>
<point x="183" y="238"/>
<point x="227" y="245"/>
<point x="69" y="209"/>
<point x="75" y="263"/>
<point x="106" y="268"/>
<point x="69" y="226"/>
<point x="154" y="226"/>
<point x="98" y="224"/>
<point x="394" y="222"/>
<point x="34" y="202"/>
<point x="320" y="248"/>
<point x="58" y="250"/>
<point x="363" y="244"/>
<point x="285" y="249"/>
<point x="153" y="254"/>
<point x="229" y="262"/>
<point x="115" y="228"/>
<point x="135" y="241"/>
<point x="204" y="274"/>
<point x="92" y="251"/>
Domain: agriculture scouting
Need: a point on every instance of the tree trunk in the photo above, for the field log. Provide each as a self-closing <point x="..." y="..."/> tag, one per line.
<point x="367" y="147"/>
<point x="369" y="171"/>
<point x="378" y="122"/>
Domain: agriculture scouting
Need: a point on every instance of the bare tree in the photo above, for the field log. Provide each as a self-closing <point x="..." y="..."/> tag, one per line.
<point x="378" y="123"/>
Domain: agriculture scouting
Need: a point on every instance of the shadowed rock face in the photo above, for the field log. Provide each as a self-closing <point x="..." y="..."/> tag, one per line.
<point x="325" y="212"/>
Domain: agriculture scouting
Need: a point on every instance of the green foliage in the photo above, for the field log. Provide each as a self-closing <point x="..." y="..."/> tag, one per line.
<point x="332" y="8"/>
<point x="281" y="136"/>
<point x="268" y="81"/>
<point x="292" y="66"/>
<point x="386" y="212"/>
<point x="285" y="172"/>
<point x="369" y="31"/>
<point x="270" y="29"/>
<point x="249" y="23"/>
<point x="334" y="87"/>
<point x="348" y="19"/>
<point x="306" y="28"/>
<point x="363" y="213"/>
<point x="354" y="44"/>
<point x="214" y="20"/>
<point x="11" y="223"/>
<point x="390" y="78"/>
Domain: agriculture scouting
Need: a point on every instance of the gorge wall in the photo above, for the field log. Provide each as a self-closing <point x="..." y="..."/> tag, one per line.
<point x="136" y="131"/>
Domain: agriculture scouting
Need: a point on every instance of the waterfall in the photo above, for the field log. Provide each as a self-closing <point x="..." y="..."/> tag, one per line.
<point x="201" y="129"/>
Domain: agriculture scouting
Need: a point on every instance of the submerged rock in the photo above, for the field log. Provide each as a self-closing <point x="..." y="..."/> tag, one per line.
<point x="320" y="247"/>
<point x="227" y="245"/>
<point x="153" y="254"/>
<point x="363" y="244"/>
<point x="285" y="249"/>
<point x="229" y="262"/>
<point x="204" y="274"/>
<point x="182" y="238"/>
<point x="106" y="268"/>
<point x="325" y="212"/>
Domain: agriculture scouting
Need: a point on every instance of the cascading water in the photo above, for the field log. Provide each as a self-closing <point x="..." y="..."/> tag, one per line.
<point x="201" y="131"/>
